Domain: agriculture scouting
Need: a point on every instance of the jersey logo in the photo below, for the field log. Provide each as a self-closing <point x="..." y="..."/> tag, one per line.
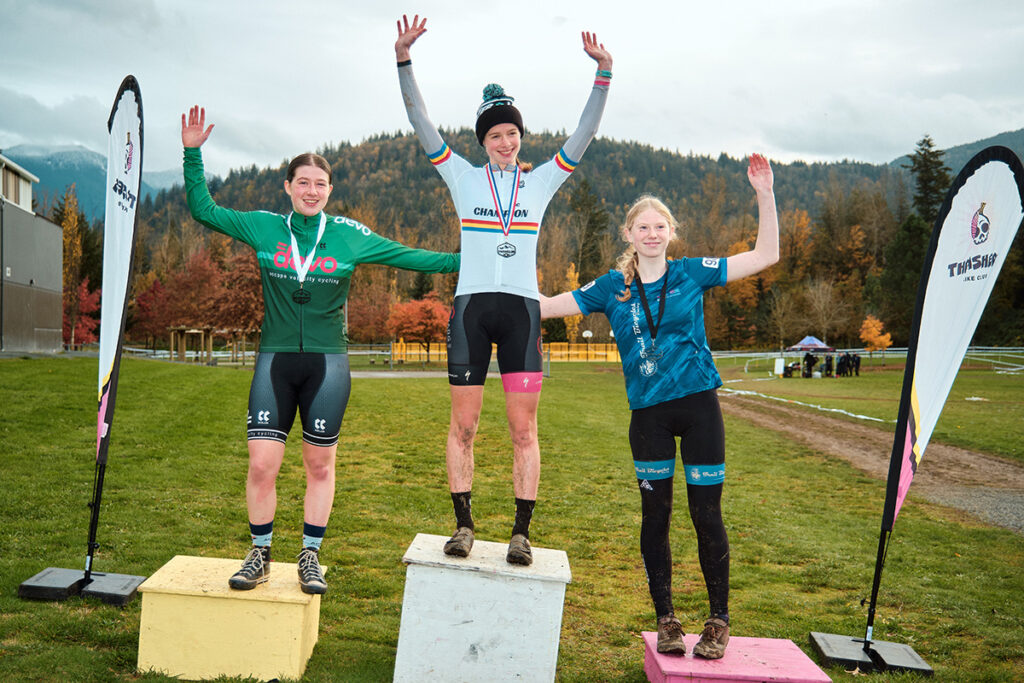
<point x="710" y="263"/>
<point x="588" y="285"/>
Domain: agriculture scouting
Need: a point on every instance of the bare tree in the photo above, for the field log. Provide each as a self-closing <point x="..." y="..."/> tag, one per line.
<point x="827" y="311"/>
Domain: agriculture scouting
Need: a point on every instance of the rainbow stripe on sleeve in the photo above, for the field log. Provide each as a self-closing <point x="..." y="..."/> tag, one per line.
<point x="564" y="162"/>
<point x="516" y="227"/>
<point x="440" y="156"/>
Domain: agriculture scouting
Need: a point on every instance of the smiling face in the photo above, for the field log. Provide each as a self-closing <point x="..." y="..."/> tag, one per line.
<point x="501" y="143"/>
<point x="649" y="233"/>
<point x="309" y="189"/>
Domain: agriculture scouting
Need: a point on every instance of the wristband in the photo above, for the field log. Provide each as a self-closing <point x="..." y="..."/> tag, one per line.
<point x="603" y="77"/>
<point x="604" y="73"/>
<point x="405" y="63"/>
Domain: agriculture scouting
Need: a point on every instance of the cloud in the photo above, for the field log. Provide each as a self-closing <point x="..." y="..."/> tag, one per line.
<point x="24" y="119"/>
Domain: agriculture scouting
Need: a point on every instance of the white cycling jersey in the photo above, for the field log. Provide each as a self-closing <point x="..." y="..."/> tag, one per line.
<point x="500" y="211"/>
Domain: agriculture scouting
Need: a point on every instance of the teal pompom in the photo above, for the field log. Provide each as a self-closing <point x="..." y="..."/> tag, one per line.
<point x="493" y="91"/>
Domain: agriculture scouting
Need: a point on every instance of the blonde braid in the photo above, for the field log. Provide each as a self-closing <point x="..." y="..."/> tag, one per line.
<point x="626" y="264"/>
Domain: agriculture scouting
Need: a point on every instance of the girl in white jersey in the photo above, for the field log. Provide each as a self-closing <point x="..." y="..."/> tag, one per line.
<point x="500" y="206"/>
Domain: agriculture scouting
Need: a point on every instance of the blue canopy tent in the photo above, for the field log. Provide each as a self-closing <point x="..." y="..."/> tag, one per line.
<point x="810" y="344"/>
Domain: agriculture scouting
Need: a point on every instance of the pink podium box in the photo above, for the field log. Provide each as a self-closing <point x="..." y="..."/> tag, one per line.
<point x="746" y="659"/>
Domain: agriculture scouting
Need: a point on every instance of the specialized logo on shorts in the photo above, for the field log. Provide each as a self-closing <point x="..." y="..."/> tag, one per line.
<point x="980" y="225"/>
<point x="319" y="424"/>
<point x="263" y="417"/>
<point x="710" y="263"/>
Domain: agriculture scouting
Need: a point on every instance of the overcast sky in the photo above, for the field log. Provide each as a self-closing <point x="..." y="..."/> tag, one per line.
<point x="823" y="80"/>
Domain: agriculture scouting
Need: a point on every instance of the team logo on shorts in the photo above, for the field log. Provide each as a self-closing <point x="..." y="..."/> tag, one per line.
<point x="979" y="226"/>
<point x="319" y="424"/>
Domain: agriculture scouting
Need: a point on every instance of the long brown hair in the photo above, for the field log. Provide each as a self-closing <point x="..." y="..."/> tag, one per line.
<point x="627" y="261"/>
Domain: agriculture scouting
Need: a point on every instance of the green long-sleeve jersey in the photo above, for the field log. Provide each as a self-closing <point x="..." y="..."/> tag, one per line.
<point x="317" y="326"/>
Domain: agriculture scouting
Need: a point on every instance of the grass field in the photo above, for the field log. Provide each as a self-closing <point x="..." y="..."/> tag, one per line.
<point x="984" y="410"/>
<point x="803" y="527"/>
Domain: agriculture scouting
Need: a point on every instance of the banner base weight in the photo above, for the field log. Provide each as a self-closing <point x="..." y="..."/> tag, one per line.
<point x="60" y="584"/>
<point x="848" y="652"/>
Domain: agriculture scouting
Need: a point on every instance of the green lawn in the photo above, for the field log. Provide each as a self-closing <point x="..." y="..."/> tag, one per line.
<point x="984" y="410"/>
<point x="803" y="526"/>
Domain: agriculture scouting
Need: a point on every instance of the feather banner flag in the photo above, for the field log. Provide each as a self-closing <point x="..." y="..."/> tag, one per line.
<point x="124" y="176"/>
<point x="974" y="231"/>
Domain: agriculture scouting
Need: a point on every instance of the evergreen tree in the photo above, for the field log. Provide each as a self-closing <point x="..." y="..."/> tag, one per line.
<point x="589" y="222"/>
<point x="904" y="258"/>
<point x="931" y="179"/>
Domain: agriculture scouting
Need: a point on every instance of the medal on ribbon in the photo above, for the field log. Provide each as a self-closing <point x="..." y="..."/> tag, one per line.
<point x="302" y="296"/>
<point x="506" y="249"/>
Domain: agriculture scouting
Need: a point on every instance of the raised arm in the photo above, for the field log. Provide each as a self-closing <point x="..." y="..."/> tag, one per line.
<point x="559" y="306"/>
<point x="578" y="142"/>
<point x="766" y="248"/>
<point x="194" y="131"/>
<point x="415" y="108"/>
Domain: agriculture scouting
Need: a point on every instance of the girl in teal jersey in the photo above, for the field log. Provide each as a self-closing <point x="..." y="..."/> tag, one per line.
<point x="306" y="261"/>
<point x="655" y="308"/>
<point x="500" y="207"/>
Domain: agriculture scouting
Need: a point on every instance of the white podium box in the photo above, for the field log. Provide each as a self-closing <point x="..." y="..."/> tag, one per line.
<point x="479" y="618"/>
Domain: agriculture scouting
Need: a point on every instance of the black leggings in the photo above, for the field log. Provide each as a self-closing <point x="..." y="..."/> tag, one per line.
<point x="697" y="421"/>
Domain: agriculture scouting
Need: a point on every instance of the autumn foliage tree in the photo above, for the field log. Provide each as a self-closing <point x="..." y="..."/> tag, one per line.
<point x="82" y="328"/>
<point x="422" y="321"/>
<point x="872" y="336"/>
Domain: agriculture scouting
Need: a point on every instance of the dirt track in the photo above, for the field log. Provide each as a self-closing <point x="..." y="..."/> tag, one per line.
<point x="988" y="487"/>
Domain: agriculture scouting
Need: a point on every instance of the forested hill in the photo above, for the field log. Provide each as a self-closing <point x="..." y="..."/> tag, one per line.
<point x="391" y="174"/>
<point x="852" y="236"/>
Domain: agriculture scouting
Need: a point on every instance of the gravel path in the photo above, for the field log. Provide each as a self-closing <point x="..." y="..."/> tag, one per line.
<point x="986" y="487"/>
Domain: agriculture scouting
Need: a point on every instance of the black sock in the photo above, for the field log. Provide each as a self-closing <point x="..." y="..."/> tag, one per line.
<point x="524" y="513"/>
<point x="463" y="509"/>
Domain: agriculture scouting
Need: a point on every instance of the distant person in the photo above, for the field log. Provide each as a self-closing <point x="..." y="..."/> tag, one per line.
<point x="500" y="206"/>
<point x="655" y="309"/>
<point x="828" y="364"/>
<point x="856" y="364"/>
<point x="306" y="261"/>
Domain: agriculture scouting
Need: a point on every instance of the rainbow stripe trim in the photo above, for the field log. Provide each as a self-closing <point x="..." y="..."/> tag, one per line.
<point x="440" y="156"/>
<point x="564" y="162"/>
<point x="601" y="81"/>
<point x="516" y="227"/>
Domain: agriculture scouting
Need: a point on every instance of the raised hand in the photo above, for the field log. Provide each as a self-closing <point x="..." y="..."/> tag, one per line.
<point x="596" y="51"/>
<point x="192" y="131"/>
<point x="407" y="35"/>
<point x="759" y="173"/>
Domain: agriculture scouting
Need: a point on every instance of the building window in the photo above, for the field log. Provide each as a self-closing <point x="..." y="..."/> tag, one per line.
<point x="12" y="186"/>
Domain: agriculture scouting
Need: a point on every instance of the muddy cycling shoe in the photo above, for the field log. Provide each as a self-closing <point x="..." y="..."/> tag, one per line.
<point x="670" y="636"/>
<point x="255" y="569"/>
<point x="460" y="543"/>
<point x="713" y="640"/>
<point x="519" y="551"/>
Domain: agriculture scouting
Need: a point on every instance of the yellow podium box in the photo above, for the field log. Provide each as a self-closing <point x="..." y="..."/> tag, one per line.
<point x="195" y="627"/>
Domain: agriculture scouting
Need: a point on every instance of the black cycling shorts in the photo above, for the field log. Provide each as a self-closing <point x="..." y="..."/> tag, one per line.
<point x="508" y="320"/>
<point x="318" y="384"/>
<point x="697" y="421"/>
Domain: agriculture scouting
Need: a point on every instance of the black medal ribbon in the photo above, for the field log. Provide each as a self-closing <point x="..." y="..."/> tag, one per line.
<point x="651" y="324"/>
